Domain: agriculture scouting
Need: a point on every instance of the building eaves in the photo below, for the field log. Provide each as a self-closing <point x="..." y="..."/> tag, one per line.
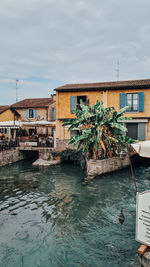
<point x="117" y="85"/>
<point x="33" y="103"/>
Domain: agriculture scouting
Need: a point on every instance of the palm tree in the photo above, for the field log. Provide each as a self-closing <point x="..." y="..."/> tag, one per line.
<point x="100" y="130"/>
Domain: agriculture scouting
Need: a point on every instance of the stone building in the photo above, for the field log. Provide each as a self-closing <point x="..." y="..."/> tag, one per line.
<point x="37" y="115"/>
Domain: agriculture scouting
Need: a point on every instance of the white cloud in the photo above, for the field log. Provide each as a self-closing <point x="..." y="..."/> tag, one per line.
<point x="47" y="43"/>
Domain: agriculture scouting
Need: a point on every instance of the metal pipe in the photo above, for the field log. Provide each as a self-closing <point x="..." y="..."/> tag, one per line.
<point x="132" y="172"/>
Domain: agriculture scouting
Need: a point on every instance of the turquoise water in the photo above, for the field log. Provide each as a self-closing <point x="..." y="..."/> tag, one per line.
<point x="49" y="217"/>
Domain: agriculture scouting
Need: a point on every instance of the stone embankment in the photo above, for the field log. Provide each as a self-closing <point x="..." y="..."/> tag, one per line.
<point x="49" y="157"/>
<point x="10" y="156"/>
<point x="98" y="167"/>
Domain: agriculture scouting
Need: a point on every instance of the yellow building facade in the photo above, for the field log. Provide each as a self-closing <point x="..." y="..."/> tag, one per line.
<point x="8" y="122"/>
<point x="135" y="94"/>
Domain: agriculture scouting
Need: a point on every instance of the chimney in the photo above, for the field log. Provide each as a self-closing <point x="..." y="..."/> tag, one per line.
<point x="53" y="96"/>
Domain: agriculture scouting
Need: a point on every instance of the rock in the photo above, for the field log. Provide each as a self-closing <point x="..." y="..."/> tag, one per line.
<point x="42" y="162"/>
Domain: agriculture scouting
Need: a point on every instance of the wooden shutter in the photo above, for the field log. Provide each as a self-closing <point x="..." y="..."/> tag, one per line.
<point x="72" y="103"/>
<point x="141" y="136"/>
<point x="122" y="100"/>
<point x="141" y="101"/>
<point x="27" y="113"/>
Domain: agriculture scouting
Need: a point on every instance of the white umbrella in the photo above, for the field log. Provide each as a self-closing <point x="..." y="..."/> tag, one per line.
<point x="142" y="148"/>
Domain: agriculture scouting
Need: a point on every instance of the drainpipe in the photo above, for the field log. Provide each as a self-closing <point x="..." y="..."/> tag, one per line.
<point x="105" y="99"/>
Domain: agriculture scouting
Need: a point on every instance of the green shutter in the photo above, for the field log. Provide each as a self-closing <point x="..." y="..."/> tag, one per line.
<point x="141" y="101"/>
<point x="122" y="100"/>
<point x="72" y="103"/>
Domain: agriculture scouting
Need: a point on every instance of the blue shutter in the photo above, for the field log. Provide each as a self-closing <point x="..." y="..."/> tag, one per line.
<point x="27" y="113"/>
<point x="141" y="136"/>
<point x="52" y="132"/>
<point x="72" y="103"/>
<point x="51" y="114"/>
<point x="54" y="114"/>
<point x="8" y="133"/>
<point x="122" y="100"/>
<point x="34" y="113"/>
<point x="141" y="101"/>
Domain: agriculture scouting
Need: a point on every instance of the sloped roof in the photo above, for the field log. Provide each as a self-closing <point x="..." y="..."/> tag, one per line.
<point x="3" y="108"/>
<point x="117" y="85"/>
<point x="33" y="103"/>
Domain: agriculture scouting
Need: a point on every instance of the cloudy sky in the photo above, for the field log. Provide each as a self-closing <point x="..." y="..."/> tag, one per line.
<point x="48" y="43"/>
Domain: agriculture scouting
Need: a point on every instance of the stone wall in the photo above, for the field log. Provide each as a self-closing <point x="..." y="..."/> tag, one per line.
<point x="10" y="156"/>
<point x="99" y="167"/>
<point x="63" y="144"/>
<point x="45" y="153"/>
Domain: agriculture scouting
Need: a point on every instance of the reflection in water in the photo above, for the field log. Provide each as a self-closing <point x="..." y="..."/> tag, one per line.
<point x="48" y="217"/>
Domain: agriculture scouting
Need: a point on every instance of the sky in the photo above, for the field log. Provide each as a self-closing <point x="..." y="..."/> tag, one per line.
<point x="48" y="43"/>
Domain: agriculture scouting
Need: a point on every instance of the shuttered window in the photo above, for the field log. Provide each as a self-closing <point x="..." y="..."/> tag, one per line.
<point x="135" y="101"/>
<point x="136" y="130"/>
<point x="75" y="101"/>
<point x="31" y="113"/>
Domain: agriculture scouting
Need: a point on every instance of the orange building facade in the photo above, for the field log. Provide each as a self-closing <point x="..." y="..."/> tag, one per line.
<point x="134" y="94"/>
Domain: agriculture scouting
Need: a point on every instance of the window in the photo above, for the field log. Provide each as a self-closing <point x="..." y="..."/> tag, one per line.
<point x="132" y="100"/>
<point x="30" y="113"/>
<point x="132" y="130"/>
<point x="135" y="101"/>
<point x="136" y="130"/>
<point x="74" y="132"/>
<point x="75" y="101"/>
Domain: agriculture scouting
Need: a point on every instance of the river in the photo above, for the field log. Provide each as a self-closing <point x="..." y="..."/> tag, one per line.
<point x="49" y="217"/>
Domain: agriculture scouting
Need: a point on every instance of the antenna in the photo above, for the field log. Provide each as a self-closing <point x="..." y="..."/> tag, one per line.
<point x="118" y="70"/>
<point x="17" y="90"/>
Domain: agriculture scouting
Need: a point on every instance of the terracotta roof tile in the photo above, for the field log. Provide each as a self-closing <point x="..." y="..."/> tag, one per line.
<point x="33" y="103"/>
<point x="3" y="108"/>
<point x="105" y="85"/>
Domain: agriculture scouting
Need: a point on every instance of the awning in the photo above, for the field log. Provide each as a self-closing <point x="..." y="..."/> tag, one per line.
<point x="142" y="148"/>
<point x="38" y="123"/>
<point x="17" y="124"/>
<point x="10" y="124"/>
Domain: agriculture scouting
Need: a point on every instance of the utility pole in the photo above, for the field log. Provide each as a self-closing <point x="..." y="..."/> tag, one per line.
<point x="17" y="90"/>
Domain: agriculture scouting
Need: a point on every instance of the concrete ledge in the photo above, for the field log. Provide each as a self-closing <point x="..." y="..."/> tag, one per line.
<point x="42" y="162"/>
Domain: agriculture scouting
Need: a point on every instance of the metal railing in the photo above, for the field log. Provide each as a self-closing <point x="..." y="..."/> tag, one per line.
<point x="35" y="141"/>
